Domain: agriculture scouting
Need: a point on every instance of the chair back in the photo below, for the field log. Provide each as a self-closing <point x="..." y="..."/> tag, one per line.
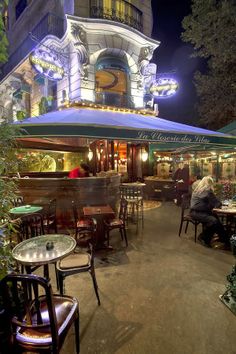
<point x="131" y="192"/>
<point x="185" y="203"/>
<point x="31" y="225"/>
<point x="17" y="201"/>
<point x="123" y="209"/>
<point x="29" y="305"/>
<point x="75" y="211"/>
<point x="51" y="210"/>
<point x="85" y="238"/>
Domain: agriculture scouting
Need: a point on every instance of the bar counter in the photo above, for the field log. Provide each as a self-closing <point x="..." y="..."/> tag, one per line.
<point x="158" y="188"/>
<point x="85" y="191"/>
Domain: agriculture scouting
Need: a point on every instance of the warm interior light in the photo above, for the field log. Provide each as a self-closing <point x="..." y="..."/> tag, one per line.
<point x="144" y="155"/>
<point x="90" y="155"/>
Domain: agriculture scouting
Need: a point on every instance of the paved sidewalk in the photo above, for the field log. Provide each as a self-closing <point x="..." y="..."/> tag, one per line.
<point x="158" y="296"/>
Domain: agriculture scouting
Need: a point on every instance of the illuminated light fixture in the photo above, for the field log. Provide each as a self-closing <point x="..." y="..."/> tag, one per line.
<point x="164" y="87"/>
<point x="90" y="155"/>
<point x="144" y="155"/>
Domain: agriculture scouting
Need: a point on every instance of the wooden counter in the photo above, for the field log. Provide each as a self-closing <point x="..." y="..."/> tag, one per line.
<point x="157" y="188"/>
<point x="85" y="191"/>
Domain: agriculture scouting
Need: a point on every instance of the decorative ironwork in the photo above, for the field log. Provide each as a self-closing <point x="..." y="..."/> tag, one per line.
<point x="50" y="24"/>
<point x="130" y="15"/>
<point x="114" y="99"/>
<point x="229" y="297"/>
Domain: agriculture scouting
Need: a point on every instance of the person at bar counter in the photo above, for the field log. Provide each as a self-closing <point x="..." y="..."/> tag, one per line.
<point x="203" y="201"/>
<point x="181" y="176"/>
<point x="81" y="171"/>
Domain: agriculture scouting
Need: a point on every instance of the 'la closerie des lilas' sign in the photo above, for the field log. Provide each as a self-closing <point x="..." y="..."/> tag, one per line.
<point x="47" y="64"/>
<point x="172" y="138"/>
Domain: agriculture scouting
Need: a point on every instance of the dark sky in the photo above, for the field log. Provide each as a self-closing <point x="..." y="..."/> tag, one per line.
<point x="174" y="55"/>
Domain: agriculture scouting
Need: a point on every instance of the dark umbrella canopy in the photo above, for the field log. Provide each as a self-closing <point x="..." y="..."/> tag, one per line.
<point x="104" y="124"/>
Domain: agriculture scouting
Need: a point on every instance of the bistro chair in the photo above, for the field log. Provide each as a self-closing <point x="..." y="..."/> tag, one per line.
<point x="134" y="197"/>
<point x="50" y="216"/>
<point x="118" y="223"/>
<point x="17" y="201"/>
<point x="186" y="217"/>
<point x="82" y="260"/>
<point x="39" y="320"/>
<point x="82" y="222"/>
<point x="30" y="226"/>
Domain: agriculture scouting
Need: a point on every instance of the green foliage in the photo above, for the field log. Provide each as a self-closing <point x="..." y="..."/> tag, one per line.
<point x="45" y="104"/>
<point x="8" y="188"/>
<point x="7" y="262"/>
<point x="3" y="38"/>
<point x="211" y="29"/>
<point x="20" y="115"/>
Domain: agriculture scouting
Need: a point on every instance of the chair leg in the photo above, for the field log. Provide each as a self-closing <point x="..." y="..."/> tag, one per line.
<point x="126" y="241"/>
<point x="57" y="280"/>
<point x="180" y="228"/>
<point x="186" y="227"/>
<point x="61" y="283"/>
<point x="108" y="238"/>
<point x="95" y="284"/>
<point x="77" y="340"/>
<point x="195" y="234"/>
<point x="121" y="234"/>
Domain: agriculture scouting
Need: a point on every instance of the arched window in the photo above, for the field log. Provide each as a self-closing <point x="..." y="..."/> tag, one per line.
<point x="112" y="84"/>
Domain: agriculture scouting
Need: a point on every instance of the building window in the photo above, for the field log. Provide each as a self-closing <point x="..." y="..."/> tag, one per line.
<point x="20" y="7"/>
<point x="117" y="10"/>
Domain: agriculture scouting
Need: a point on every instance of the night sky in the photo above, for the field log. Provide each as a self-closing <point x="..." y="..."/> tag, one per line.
<point x="174" y="55"/>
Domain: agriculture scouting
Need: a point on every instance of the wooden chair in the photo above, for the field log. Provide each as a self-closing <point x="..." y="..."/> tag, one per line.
<point x="82" y="260"/>
<point x="134" y="197"/>
<point x="50" y="216"/>
<point x="185" y="217"/>
<point x="31" y="225"/>
<point x="81" y="222"/>
<point x="17" y="201"/>
<point x="118" y="223"/>
<point x="38" y="319"/>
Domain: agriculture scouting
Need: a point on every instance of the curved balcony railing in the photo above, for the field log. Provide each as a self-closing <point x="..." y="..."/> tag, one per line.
<point x="114" y="99"/>
<point x="50" y="24"/>
<point x="120" y="11"/>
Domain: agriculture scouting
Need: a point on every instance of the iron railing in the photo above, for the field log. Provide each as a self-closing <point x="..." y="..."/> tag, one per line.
<point x="119" y="11"/>
<point x="50" y="24"/>
<point x="113" y="99"/>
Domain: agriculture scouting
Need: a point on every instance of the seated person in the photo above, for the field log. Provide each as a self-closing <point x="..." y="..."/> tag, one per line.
<point x="195" y="183"/>
<point x="81" y="171"/>
<point x="202" y="202"/>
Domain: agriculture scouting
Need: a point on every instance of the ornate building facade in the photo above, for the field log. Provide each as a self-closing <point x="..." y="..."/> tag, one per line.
<point x="93" y="52"/>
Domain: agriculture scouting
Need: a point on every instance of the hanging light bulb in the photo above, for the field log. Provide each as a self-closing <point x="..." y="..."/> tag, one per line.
<point x="90" y="155"/>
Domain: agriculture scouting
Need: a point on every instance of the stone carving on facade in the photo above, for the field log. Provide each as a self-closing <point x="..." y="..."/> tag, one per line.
<point x="10" y="105"/>
<point x="147" y="70"/>
<point x="81" y="46"/>
<point x="6" y="102"/>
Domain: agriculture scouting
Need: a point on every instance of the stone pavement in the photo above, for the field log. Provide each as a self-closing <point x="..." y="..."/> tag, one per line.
<point x="158" y="296"/>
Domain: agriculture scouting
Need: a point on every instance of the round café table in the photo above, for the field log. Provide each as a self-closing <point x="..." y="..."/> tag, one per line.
<point x="43" y="250"/>
<point x="25" y="209"/>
